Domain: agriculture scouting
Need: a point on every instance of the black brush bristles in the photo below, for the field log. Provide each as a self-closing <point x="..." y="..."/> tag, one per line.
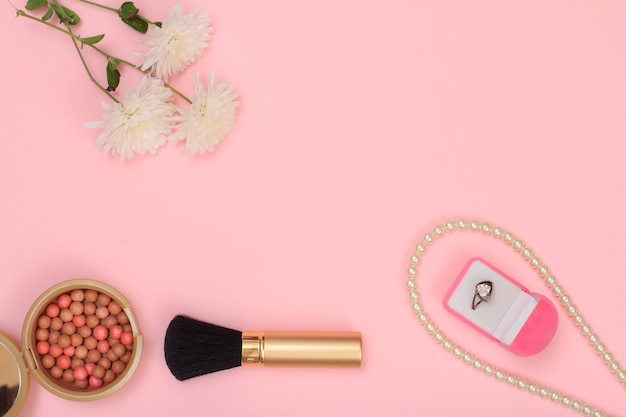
<point x="194" y="348"/>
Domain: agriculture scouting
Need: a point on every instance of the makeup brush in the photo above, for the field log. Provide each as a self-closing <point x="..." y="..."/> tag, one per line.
<point x="194" y="348"/>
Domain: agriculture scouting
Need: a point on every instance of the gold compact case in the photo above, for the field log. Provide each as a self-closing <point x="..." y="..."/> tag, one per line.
<point x="80" y="341"/>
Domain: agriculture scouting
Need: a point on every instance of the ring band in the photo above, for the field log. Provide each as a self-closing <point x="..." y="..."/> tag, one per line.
<point x="482" y="292"/>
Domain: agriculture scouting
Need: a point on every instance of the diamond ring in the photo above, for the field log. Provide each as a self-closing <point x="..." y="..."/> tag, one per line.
<point x="482" y="293"/>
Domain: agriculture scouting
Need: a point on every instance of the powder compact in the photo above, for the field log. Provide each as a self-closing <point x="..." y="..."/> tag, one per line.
<point x="80" y="341"/>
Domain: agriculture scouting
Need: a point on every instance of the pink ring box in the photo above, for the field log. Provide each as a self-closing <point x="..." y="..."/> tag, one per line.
<point x="522" y="322"/>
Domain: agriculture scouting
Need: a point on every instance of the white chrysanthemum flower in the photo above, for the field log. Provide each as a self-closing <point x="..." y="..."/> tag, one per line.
<point x="211" y="116"/>
<point x="141" y="123"/>
<point x="179" y="42"/>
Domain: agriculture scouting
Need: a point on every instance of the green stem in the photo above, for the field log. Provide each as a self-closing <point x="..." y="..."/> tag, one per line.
<point x="76" y="39"/>
<point x="113" y="9"/>
<point x="102" y="6"/>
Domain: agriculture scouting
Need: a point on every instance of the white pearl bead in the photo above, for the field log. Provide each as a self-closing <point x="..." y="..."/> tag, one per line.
<point x="497" y="232"/>
<point x="423" y="317"/>
<point x="576" y="405"/>
<point x="571" y="309"/>
<point x="592" y="338"/>
<point x="614" y="366"/>
<point x="544" y="392"/>
<point x="438" y="336"/>
<point x="462" y="224"/>
<point x="499" y="375"/>
<point x="508" y="237"/>
<point x="467" y="358"/>
<point x="447" y="345"/>
<point x="420" y="248"/>
<point x="438" y="230"/>
<point x="510" y="379"/>
<point x="417" y="307"/>
<point x="600" y="348"/>
<point x="450" y="226"/>
<point x="555" y="396"/>
<point x="485" y="228"/>
<point x="566" y="401"/>
<point x="621" y="375"/>
<point x="413" y="295"/>
<point x="473" y="225"/>
<point x="557" y="290"/>
<point x="430" y="327"/>
<point x="518" y="245"/>
<point x="598" y="413"/>
<point x="478" y="364"/>
<point x="521" y="384"/>
<point x="411" y="271"/>
<point x="527" y="253"/>
<point x="564" y="299"/>
<point x="543" y="270"/>
<point x="607" y="357"/>
<point x="457" y="351"/>
<point x="579" y="319"/>
<point x="488" y="369"/>
<point x="586" y="410"/>
<point x="535" y="262"/>
<point x="585" y="329"/>
<point x="428" y="238"/>
<point x="410" y="283"/>
<point x="550" y="280"/>
<point x="415" y="259"/>
<point x="533" y="388"/>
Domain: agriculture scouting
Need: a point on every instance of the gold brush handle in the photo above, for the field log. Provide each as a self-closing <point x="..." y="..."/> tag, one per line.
<point x="316" y="349"/>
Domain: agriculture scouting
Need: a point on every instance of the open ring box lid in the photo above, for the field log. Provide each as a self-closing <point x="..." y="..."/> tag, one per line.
<point x="522" y="322"/>
<point x="16" y="364"/>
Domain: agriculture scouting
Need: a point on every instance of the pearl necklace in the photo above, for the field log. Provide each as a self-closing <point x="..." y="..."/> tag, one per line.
<point x="557" y="290"/>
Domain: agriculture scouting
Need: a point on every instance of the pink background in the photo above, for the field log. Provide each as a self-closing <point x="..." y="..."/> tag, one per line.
<point x="362" y="125"/>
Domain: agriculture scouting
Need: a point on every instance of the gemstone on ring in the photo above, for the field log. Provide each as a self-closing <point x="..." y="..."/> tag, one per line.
<point x="482" y="292"/>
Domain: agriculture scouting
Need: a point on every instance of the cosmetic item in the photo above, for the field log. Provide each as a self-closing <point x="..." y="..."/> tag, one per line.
<point x="80" y="341"/>
<point x="194" y="348"/>
<point x="502" y="309"/>
<point x="485" y="367"/>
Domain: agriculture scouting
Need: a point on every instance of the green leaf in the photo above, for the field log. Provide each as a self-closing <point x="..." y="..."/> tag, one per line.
<point x="113" y="77"/>
<point x="114" y="63"/>
<point x="35" y="4"/>
<point x="48" y="15"/>
<point x="65" y="15"/>
<point x="128" y="10"/>
<point x="137" y="23"/>
<point x="92" y="40"/>
<point x="73" y="18"/>
<point x="130" y="15"/>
